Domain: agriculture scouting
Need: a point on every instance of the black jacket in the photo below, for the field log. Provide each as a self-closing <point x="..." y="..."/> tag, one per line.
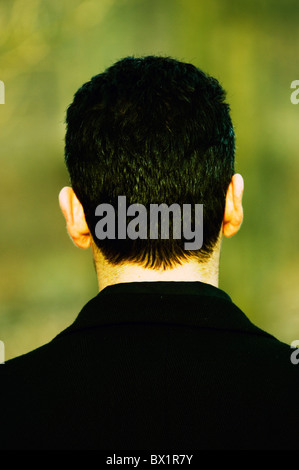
<point x="163" y="365"/>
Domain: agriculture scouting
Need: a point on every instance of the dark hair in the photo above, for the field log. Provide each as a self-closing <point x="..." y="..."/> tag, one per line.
<point x="155" y="130"/>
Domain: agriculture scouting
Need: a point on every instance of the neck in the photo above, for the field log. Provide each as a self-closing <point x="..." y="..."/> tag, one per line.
<point x="108" y="274"/>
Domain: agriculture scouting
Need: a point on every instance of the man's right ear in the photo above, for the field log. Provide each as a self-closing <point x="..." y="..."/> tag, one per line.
<point x="75" y="218"/>
<point x="233" y="213"/>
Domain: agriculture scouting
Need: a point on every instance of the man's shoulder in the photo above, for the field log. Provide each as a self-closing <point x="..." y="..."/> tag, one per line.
<point x="123" y="355"/>
<point x="34" y="361"/>
<point x="203" y="318"/>
<point x="143" y="318"/>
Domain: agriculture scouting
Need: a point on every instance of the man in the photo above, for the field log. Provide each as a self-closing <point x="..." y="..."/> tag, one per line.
<point x="161" y="358"/>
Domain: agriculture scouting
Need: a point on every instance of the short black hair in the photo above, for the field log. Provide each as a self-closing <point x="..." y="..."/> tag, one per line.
<point x="155" y="130"/>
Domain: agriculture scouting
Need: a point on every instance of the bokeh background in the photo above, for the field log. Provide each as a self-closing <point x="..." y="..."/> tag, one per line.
<point x="48" y="48"/>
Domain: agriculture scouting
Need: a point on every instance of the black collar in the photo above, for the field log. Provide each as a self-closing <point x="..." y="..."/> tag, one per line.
<point x="182" y="303"/>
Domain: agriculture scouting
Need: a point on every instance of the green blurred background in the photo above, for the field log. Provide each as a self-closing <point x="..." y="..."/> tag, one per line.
<point x="48" y="48"/>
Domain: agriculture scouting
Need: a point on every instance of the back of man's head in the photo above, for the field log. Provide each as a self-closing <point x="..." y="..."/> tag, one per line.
<point x="155" y="130"/>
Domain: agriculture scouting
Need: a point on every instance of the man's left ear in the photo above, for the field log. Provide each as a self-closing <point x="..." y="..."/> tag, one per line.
<point x="233" y="213"/>
<point x="75" y="218"/>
